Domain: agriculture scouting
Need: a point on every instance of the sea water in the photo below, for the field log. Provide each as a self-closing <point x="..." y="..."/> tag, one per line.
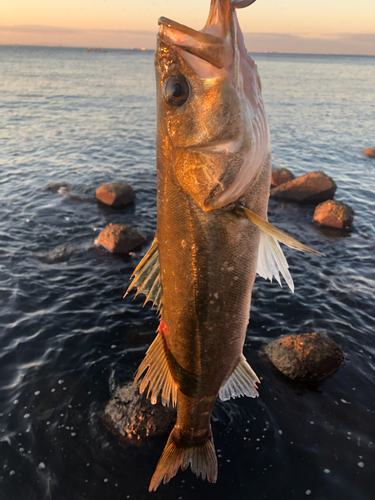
<point x="68" y="339"/>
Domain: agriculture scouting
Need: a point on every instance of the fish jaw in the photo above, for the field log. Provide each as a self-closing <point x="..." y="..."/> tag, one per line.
<point x="223" y="122"/>
<point x="189" y="42"/>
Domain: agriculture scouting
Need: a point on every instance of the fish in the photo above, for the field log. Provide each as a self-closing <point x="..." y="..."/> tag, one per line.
<point x="212" y="237"/>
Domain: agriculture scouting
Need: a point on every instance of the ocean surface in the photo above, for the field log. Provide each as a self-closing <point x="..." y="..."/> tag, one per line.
<point x="68" y="339"/>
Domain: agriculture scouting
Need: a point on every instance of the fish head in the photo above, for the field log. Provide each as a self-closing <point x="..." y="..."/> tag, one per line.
<point x="211" y="121"/>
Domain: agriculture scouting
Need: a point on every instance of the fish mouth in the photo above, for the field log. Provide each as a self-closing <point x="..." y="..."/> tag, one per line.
<point x="212" y="43"/>
<point x="215" y="44"/>
<point x="219" y="23"/>
<point x="208" y="47"/>
<point x="206" y="54"/>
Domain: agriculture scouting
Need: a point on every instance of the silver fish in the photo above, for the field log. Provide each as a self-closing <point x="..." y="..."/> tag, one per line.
<point x="214" y="173"/>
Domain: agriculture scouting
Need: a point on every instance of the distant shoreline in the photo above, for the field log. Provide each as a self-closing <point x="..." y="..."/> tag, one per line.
<point x="143" y="49"/>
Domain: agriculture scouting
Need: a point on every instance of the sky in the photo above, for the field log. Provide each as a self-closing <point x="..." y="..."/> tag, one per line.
<point x="297" y="26"/>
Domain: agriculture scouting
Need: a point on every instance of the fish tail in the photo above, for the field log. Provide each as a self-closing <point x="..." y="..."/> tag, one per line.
<point x="201" y="457"/>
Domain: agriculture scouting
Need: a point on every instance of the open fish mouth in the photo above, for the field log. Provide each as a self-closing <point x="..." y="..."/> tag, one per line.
<point x="206" y="46"/>
<point x="212" y="42"/>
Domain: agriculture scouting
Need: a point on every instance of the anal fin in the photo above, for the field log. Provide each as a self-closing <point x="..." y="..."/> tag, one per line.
<point x="158" y="377"/>
<point x="242" y="382"/>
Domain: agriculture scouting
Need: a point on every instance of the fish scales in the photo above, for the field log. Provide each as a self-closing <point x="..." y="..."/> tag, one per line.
<point x="208" y="264"/>
<point x="213" y="179"/>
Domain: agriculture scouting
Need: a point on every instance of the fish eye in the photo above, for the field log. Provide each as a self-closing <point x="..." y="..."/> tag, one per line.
<point x="176" y="90"/>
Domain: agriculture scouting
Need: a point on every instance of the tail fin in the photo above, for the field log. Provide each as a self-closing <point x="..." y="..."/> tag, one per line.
<point x="202" y="460"/>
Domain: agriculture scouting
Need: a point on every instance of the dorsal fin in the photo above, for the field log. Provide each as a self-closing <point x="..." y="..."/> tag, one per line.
<point x="146" y="277"/>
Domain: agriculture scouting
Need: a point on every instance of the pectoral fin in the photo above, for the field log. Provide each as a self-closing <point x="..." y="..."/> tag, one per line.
<point x="146" y="277"/>
<point x="276" y="233"/>
<point x="271" y="259"/>
<point x="242" y="382"/>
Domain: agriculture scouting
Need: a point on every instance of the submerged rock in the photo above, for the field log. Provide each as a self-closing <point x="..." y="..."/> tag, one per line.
<point x="313" y="188"/>
<point x="70" y="194"/>
<point x="54" y="187"/>
<point x="334" y="214"/>
<point x="115" y="194"/>
<point x="306" y="357"/>
<point x="118" y="238"/>
<point x="133" y="417"/>
<point x="281" y="175"/>
<point x="369" y="151"/>
<point x="56" y="255"/>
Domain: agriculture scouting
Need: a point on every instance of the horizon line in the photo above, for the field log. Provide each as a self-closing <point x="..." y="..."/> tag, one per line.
<point x="144" y="49"/>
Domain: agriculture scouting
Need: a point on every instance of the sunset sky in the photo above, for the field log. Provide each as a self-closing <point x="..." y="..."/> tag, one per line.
<point x="306" y="26"/>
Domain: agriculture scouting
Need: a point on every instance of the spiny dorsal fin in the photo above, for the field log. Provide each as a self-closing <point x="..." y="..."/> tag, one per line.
<point x="242" y="382"/>
<point x="146" y="277"/>
<point x="158" y="377"/>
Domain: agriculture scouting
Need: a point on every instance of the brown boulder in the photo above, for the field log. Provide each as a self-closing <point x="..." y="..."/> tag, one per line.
<point x="115" y="194"/>
<point x="133" y="417"/>
<point x="305" y="357"/>
<point x="313" y="188"/>
<point x="369" y="151"/>
<point x="281" y="175"/>
<point x="118" y="238"/>
<point x="334" y="214"/>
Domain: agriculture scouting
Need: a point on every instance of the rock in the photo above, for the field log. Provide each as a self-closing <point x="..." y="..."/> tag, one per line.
<point x="313" y="188"/>
<point x="369" y="151"/>
<point x="115" y="194"/>
<point x="334" y="214"/>
<point x="56" y="186"/>
<point x="281" y="175"/>
<point x="56" y="255"/>
<point x="118" y="238"/>
<point x="306" y="357"/>
<point x="134" y="417"/>
<point x="68" y="193"/>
